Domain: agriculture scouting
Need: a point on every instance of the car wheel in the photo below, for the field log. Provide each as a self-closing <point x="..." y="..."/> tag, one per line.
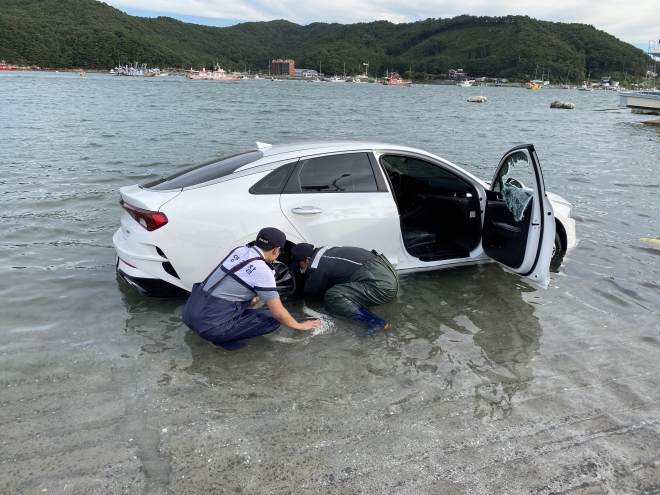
<point x="557" y="248"/>
<point x="284" y="279"/>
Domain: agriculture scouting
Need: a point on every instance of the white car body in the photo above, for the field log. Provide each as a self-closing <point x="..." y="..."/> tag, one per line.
<point x="205" y="221"/>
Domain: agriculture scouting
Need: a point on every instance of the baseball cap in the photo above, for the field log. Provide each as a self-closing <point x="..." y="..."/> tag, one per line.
<point x="272" y="236"/>
<point x="300" y="252"/>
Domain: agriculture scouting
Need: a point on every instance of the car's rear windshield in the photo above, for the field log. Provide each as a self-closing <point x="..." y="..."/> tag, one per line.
<point x="205" y="172"/>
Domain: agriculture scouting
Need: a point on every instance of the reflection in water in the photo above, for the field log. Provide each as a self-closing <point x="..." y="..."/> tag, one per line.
<point x="454" y="331"/>
<point x="154" y="319"/>
<point x="474" y="319"/>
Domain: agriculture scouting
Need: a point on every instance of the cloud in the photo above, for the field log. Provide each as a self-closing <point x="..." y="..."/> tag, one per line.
<point x="634" y="22"/>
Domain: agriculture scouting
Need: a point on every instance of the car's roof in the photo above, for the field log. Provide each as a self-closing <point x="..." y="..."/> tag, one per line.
<point x="321" y="146"/>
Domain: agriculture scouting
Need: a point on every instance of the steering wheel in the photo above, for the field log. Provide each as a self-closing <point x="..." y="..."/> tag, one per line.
<point x="395" y="179"/>
<point x="515" y="182"/>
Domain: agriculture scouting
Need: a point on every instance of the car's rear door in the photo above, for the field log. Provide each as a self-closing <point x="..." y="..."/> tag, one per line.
<point x="342" y="199"/>
<point x="519" y="225"/>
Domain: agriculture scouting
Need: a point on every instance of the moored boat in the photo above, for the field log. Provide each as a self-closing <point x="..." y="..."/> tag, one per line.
<point x="216" y="75"/>
<point x="533" y="85"/>
<point x="585" y="87"/>
<point x="4" y="66"/>
<point x="394" y="79"/>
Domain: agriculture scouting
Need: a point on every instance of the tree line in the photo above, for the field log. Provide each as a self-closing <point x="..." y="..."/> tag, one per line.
<point x="87" y="34"/>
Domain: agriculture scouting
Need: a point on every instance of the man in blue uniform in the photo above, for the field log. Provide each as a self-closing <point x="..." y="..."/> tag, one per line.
<point x="218" y="307"/>
<point x="355" y="277"/>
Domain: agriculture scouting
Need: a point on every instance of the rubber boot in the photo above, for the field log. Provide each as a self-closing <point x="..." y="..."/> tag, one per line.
<point x="373" y="322"/>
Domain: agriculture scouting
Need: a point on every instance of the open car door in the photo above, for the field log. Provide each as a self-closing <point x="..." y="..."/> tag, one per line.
<point x="519" y="223"/>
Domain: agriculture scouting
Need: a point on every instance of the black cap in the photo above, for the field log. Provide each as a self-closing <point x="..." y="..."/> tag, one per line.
<point x="300" y="252"/>
<point x="272" y="236"/>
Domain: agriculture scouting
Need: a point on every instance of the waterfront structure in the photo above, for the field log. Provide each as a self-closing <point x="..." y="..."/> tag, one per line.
<point x="281" y="67"/>
<point x="309" y="73"/>
<point x="457" y="75"/>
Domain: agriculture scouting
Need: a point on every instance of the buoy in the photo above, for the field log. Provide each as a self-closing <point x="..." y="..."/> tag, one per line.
<point x="562" y="104"/>
<point x="477" y="99"/>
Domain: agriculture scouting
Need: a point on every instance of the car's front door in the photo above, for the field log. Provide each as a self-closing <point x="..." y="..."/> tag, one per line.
<point x="338" y="200"/>
<point x="519" y="225"/>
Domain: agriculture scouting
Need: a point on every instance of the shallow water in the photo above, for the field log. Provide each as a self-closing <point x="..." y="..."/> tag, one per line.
<point x="482" y="384"/>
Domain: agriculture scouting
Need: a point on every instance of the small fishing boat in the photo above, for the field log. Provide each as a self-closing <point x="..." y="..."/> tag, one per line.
<point x="533" y="85"/>
<point x="464" y="84"/>
<point x="394" y="79"/>
<point x="4" y="66"/>
<point x="585" y="87"/>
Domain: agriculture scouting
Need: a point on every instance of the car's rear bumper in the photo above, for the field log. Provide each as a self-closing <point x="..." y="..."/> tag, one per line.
<point x="153" y="287"/>
<point x="141" y="266"/>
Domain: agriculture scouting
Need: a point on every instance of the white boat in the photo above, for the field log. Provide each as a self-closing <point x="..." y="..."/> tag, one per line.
<point x="336" y="79"/>
<point x="640" y="100"/>
<point x="256" y="76"/>
<point x="584" y="87"/>
<point x="464" y="84"/>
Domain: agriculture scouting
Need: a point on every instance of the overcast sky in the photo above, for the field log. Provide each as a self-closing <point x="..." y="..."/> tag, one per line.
<point x="634" y="21"/>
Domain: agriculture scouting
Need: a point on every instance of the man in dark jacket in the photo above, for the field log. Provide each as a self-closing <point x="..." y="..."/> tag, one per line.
<point x="354" y="277"/>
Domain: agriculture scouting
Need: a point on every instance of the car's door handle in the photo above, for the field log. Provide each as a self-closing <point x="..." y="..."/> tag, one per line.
<point x="306" y="210"/>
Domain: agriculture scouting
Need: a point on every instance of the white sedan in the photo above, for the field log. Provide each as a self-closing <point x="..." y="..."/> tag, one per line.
<point x="419" y="210"/>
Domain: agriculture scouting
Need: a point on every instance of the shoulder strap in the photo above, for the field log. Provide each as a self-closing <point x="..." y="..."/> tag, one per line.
<point x="231" y="272"/>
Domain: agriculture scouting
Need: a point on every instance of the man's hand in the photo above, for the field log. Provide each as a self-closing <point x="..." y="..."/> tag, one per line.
<point x="255" y="300"/>
<point x="283" y="316"/>
<point x="309" y="325"/>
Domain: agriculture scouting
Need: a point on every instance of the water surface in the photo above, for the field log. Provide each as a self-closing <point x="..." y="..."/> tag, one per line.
<point x="482" y="384"/>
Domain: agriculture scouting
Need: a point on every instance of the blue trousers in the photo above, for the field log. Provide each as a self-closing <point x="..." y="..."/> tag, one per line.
<point x="220" y="321"/>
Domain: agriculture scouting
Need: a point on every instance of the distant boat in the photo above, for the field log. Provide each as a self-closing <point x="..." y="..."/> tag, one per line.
<point x="256" y="76"/>
<point x="336" y="78"/>
<point x="394" y="79"/>
<point x="584" y="87"/>
<point x="464" y="84"/>
<point x="533" y="85"/>
<point x="4" y="66"/>
<point x="216" y="75"/>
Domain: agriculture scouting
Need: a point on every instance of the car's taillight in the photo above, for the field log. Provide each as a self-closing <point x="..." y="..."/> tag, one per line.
<point x="150" y="220"/>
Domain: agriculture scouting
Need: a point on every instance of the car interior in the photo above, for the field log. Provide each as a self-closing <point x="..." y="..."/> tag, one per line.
<point x="439" y="211"/>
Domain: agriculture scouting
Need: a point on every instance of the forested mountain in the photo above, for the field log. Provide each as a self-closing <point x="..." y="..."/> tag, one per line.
<point x="93" y="35"/>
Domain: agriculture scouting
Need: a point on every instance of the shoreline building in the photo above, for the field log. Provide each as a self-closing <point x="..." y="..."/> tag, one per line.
<point x="281" y="67"/>
<point x="457" y="75"/>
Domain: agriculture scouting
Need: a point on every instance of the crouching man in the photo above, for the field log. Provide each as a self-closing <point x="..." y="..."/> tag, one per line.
<point x="218" y="307"/>
<point x="356" y="277"/>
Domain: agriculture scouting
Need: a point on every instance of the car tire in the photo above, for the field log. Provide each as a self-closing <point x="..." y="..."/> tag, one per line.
<point x="557" y="248"/>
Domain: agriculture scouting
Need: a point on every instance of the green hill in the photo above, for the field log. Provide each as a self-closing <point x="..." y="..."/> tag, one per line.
<point x="92" y="35"/>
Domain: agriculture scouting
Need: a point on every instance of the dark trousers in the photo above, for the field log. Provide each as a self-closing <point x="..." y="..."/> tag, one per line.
<point x="217" y="320"/>
<point x="373" y="284"/>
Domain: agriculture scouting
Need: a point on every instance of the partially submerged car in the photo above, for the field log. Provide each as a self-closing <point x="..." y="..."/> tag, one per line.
<point x="419" y="210"/>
